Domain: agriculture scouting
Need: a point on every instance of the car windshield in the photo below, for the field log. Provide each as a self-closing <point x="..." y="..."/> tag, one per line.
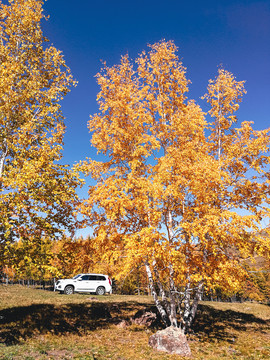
<point x="76" y="276"/>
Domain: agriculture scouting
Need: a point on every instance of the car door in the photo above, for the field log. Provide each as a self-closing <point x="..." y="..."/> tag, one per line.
<point x="92" y="283"/>
<point x="83" y="283"/>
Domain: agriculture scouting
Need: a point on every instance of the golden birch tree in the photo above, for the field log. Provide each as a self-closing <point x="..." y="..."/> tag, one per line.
<point x="168" y="191"/>
<point x="33" y="259"/>
<point x="37" y="193"/>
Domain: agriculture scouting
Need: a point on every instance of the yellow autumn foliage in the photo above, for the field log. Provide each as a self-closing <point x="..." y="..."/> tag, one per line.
<point x="179" y="188"/>
<point x="37" y="194"/>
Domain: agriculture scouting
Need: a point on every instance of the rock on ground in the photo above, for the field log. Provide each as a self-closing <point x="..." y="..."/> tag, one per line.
<point x="146" y="318"/>
<point x="122" y="324"/>
<point x="170" y="340"/>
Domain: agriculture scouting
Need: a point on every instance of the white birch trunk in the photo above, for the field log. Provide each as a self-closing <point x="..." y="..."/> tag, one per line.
<point x="186" y="303"/>
<point x="159" y="306"/>
<point x="3" y="157"/>
<point x="173" y="313"/>
<point x="198" y="297"/>
<point x="161" y="289"/>
<point x="191" y="310"/>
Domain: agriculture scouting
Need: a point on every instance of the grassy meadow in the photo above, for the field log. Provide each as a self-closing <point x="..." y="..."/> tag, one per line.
<point x="38" y="324"/>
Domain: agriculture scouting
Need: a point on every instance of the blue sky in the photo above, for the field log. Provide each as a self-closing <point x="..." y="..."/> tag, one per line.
<point x="208" y="33"/>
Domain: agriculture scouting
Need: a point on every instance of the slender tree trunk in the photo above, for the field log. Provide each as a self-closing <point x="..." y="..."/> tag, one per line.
<point x="173" y="313"/>
<point x="159" y="306"/>
<point x="197" y="298"/>
<point x="186" y="303"/>
<point x="3" y="157"/>
<point x="161" y="289"/>
<point x="190" y="311"/>
<point x="138" y="281"/>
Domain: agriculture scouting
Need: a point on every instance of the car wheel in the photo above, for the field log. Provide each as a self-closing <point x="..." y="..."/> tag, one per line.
<point x="69" y="290"/>
<point x="100" y="290"/>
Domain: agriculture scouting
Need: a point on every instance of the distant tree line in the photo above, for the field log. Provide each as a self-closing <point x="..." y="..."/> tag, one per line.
<point x="39" y="265"/>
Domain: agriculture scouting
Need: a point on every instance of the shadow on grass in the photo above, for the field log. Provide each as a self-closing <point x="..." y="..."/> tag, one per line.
<point x="213" y="324"/>
<point x="20" y="323"/>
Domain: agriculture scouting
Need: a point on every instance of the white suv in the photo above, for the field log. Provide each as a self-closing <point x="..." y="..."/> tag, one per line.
<point x="96" y="283"/>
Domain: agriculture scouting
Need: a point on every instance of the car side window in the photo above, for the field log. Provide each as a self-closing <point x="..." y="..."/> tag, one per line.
<point x="101" y="278"/>
<point x="85" y="277"/>
<point x="92" y="277"/>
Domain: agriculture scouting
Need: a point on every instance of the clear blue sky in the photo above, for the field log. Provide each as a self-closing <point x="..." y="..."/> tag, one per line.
<point x="208" y="33"/>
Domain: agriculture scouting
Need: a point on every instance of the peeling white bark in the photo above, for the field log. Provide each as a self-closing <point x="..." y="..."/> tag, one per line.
<point x="3" y="157"/>
<point x="159" y="306"/>
<point x="191" y="310"/>
<point x="161" y="289"/>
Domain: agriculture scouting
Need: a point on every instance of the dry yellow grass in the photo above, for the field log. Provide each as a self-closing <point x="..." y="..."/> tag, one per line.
<point x="37" y="324"/>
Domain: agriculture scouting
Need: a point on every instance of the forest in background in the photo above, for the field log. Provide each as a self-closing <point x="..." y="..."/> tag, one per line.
<point x="41" y="265"/>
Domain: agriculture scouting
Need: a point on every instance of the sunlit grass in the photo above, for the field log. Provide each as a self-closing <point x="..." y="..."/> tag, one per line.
<point x="38" y="324"/>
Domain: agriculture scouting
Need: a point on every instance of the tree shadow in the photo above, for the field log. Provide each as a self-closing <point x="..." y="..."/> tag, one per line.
<point x="19" y="323"/>
<point x="211" y="323"/>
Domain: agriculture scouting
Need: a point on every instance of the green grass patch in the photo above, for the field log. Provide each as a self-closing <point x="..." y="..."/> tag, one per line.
<point x="38" y="324"/>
